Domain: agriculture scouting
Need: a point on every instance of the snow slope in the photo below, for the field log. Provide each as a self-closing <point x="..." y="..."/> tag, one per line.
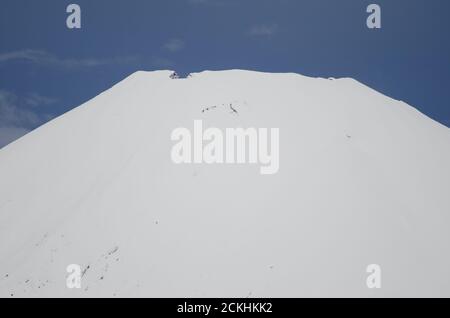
<point x="363" y="179"/>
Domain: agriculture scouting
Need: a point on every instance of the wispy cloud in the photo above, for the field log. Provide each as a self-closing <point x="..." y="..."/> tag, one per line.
<point x="17" y="116"/>
<point x="262" y="30"/>
<point x="174" y="45"/>
<point x="41" y="57"/>
<point x="35" y="100"/>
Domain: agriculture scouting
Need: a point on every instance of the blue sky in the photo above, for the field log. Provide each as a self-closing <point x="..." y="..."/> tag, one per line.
<point x="47" y="69"/>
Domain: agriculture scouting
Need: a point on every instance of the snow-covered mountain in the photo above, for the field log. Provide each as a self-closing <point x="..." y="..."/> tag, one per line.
<point x="363" y="179"/>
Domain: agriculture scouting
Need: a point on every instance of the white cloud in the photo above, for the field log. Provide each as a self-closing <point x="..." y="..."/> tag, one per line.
<point x="11" y="114"/>
<point x="40" y="57"/>
<point x="174" y="45"/>
<point x="16" y="117"/>
<point x="263" y="30"/>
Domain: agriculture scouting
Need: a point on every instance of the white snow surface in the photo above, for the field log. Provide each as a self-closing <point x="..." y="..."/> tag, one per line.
<point x="364" y="179"/>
